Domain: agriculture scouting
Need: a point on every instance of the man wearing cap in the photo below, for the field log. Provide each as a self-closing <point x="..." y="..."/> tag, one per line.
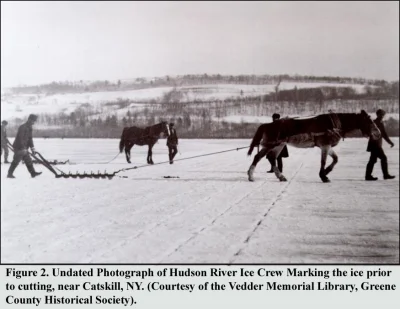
<point x="283" y="154"/>
<point x="376" y="150"/>
<point x="172" y="143"/>
<point x="4" y="140"/>
<point x="22" y="142"/>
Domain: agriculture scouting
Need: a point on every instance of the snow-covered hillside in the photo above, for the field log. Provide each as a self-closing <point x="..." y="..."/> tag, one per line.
<point x="22" y="105"/>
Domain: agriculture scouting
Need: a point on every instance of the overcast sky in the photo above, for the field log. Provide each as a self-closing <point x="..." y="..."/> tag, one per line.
<point x="58" y="41"/>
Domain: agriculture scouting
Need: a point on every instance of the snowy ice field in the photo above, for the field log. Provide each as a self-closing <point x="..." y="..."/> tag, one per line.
<point x="210" y="214"/>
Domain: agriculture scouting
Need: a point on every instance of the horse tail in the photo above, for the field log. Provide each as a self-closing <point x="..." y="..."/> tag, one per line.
<point x="122" y="142"/>
<point x="256" y="139"/>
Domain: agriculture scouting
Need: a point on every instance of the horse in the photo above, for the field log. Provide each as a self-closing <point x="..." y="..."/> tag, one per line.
<point x="323" y="131"/>
<point x="142" y="136"/>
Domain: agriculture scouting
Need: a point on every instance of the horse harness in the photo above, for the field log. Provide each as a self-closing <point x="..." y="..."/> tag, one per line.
<point x="336" y="124"/>
<point x="336" y="130"/>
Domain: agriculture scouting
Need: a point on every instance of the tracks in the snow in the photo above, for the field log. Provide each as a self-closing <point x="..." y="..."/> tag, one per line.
<point x="211" y="223"/>
<point x="259" y="222"/>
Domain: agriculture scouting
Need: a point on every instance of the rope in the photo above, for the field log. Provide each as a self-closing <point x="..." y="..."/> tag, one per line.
<point x="112" y="159"/>
<point x="98" y="162"/>
<point x="188" y="158"/>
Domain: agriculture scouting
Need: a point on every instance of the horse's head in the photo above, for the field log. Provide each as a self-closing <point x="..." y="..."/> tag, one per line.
<point x="367" y="126"/>
<point x="165" y="128"/>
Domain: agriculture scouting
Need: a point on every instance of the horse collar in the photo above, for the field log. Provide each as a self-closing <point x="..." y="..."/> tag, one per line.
<point x="336" y="124"/>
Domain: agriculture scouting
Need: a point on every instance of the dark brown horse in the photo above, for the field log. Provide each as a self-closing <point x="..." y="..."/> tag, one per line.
<point x="142" y="136"/>
<point x="323" y="131"/>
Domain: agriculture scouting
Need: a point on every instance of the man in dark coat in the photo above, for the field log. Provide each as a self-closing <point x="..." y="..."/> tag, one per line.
<point x="4" y="140"/>
<point x="376" y="150"/>
<point x="172" y="143"/>
<point x="23" y="141"/>
<point x="284" y="153"/>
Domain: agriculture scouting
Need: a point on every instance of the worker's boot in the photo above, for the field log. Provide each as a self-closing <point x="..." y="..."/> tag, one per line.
<point x="32" y="170"/>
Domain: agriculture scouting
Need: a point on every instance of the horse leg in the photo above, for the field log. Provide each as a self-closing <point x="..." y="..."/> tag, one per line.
<point x="257" y="158"/>
<point x="324" y="155"/>
<point x="150" y="155"/>
<point x="335" y="158"/>
<point x="128" y="147"/>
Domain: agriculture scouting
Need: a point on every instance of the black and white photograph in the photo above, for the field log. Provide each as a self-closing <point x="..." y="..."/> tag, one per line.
<point x="234" y="132"/>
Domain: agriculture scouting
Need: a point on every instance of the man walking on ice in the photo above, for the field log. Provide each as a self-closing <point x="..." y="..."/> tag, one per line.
<point x="22" y="142"/>
<point x="4" y="140"/>
<point x="172" y="143"/>
<point x="375" y="147"/>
